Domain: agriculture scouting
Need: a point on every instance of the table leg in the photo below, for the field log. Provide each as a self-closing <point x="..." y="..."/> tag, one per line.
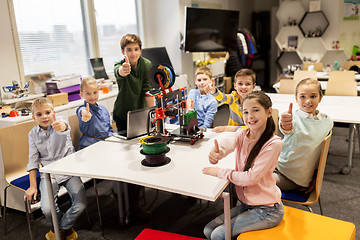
<point x="227" y="223"/>
<point x="120" y="203"/>
<point x="347" y="168"/>
<point x="52" y="205"/>
<point x="127" y="205"/>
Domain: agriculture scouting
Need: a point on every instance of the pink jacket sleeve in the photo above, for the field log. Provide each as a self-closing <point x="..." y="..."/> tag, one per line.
<point x="264" y="162"/>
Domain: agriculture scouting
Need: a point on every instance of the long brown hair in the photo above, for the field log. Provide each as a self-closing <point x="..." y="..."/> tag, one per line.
<point x="264" y="101"/>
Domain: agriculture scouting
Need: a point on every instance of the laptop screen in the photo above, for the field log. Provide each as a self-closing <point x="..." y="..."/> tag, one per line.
<point x="157" y="55"/>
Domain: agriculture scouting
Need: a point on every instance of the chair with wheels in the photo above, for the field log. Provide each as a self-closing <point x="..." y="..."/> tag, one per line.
<point x="299" y="197"/>
<point x="15" y="163"/>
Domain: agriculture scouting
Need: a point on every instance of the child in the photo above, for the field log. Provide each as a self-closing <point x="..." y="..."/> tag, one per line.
<point x="244" y="84"/>
<point x="204" y="104"/>
<point x="257" y="151"/>
<point x="132" y="79"/>
<point x="94" y="119"/>
<point x="304" y="131"/>
<point x="49" y="141"/>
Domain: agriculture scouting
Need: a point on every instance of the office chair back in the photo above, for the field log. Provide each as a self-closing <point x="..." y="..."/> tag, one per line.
<point x="341" y="83"/>
<point x="297" y="196"/>
<point x="302" y="74"/>
<point x="287" y="86"/>
<point x="275" y="116"/>
<point x="318" y="67"/>
<point x="74" y="130"/>
<point x="348" y="64"/>
<point x="12" y="139"/>
<point x="15" y="161"/>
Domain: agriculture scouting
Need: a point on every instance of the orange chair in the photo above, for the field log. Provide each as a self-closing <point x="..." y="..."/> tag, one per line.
<point x="302" y="225"/>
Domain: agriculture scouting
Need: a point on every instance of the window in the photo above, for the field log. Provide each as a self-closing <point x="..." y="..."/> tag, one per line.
<point x="54" y="35"/>
<point x="114" y="19"/>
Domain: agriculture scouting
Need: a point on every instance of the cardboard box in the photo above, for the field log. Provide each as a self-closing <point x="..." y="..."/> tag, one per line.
<point x="228" y="84"/>
<point x="58" y="99"/>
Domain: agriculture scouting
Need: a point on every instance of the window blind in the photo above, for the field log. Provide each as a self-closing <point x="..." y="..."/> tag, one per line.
<point x="52" y="36"/>
<point x="114" y="19"/>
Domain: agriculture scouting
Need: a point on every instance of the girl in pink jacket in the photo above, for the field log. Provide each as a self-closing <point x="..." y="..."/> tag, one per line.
<point x="257" y="151"/>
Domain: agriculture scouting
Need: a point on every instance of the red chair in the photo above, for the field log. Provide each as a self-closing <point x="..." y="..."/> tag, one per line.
<point x="150" y="234"/>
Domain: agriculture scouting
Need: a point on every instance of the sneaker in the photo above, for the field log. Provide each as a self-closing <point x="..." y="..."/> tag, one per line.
<point x="51" y="235"/>
<point x="70" y="234"/>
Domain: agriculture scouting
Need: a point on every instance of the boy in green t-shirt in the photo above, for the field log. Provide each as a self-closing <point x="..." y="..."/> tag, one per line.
<point x="132" y="78"/>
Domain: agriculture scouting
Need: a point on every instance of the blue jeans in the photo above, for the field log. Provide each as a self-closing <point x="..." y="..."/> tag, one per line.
<point x="245" y="218"/>
<point x="76" y="190"/>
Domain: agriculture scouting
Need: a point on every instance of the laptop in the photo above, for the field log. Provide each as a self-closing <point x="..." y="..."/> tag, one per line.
<point x="136" y="124"/>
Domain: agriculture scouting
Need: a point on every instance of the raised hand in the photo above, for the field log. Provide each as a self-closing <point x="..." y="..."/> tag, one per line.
<point x="125" y="68"/>
<point x="58" y="126"/>
<point x="214" y="155"/>
<point x="210" y="88"/>
<point x="190" y="104"/>
<point x="86" y="114"/>
<point x="286" y="119"/>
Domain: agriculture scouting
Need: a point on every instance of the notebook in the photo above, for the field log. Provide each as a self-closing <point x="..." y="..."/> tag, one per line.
<point x="136" y="124"/>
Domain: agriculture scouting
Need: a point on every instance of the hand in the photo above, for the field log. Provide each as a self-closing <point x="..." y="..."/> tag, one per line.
<point x="86" y="114"/>
<point x="209" y="89"/>
<point x="31" y="194"/>
<point x="213" y="171"/>
<point x="214" y="155"/>
<point x="58" y="126"/>
<point x="125" y="69"/>
<point x="286" y="119"/>
<point x="219" y="129"/>
<point x="190" y="104"/>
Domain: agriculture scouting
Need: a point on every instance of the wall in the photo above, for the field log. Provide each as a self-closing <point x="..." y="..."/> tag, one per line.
<point x="8" y="64"/>
<point x="348" y="32"/>
<point x="163" y="20"/>
<point x="161" y="28"/>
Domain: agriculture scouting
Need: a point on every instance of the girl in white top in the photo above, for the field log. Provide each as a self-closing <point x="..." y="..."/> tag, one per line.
<point x="304" y="131"/>
<point x="257" y="151"/>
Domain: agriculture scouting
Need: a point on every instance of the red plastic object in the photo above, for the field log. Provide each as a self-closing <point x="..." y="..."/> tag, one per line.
<point x="13" y="114"/>
<point x="150" y="234"/>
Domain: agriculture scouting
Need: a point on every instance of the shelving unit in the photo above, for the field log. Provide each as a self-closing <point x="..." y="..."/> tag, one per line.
<point x="333" y="55"/>
<point x="282" y="37"/>
<point x="309" y="28"/>
<point x="286" y="12"/>
<point x="286" y="58"/>
<point x="313" y="24"/>
<point x="312" y="48"/>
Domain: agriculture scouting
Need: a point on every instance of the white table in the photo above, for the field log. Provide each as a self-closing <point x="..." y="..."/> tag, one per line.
<point x="343" y="109"/>
<point x="323" y="84"/>
<point x="322" y="77"/>
<point x="121" y="161"/>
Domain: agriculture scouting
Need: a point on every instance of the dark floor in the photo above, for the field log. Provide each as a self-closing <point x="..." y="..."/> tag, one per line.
<point x="340" y="198"/>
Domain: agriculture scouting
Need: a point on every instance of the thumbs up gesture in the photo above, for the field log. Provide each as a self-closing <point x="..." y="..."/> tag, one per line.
<point x="210" y="88"/>
<point x="286" y="119"/>
<point x="125" y="69"/>
<point x="86" y="114"/>
<point x="214" y="155"/>
<point x="58" y="126"/>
